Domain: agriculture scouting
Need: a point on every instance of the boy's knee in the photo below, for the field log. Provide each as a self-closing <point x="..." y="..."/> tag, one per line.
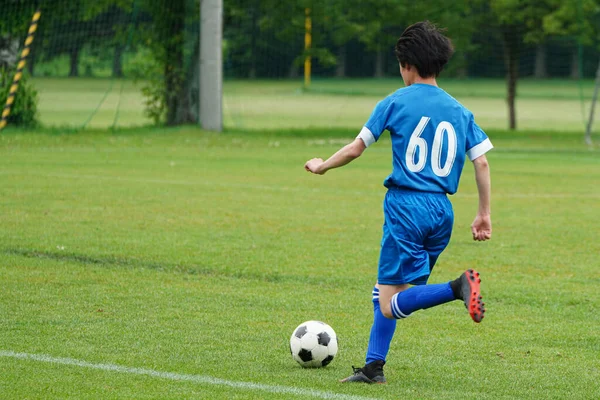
<point x="386" y="310"/>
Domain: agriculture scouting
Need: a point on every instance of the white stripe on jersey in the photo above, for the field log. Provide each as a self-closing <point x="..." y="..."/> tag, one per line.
<point x="367" y="136"/>
<point x="480" y="149"/>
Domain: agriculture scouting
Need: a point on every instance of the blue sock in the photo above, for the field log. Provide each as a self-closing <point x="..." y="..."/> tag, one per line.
<point x="420" y="298"/>
<point x="382" y="332"/>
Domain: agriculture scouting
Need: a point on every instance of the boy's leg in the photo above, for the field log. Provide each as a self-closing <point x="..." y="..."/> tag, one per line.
<point x="383" y="328"/>
<point x="466" y="286"/>
<point x="418" y="259"/>
<point x="400" y="304"/>
<point x="382" y="332"/>
<point x="407" y="257"/>
<point x="402" y="258"/>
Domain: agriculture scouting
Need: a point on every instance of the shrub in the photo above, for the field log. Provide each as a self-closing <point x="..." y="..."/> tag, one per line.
<point x="24" y="109"/>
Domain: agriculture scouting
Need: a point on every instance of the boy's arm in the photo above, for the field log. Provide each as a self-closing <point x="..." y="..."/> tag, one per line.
<point x="482" y="225"/>
<point x="342" y="157"/>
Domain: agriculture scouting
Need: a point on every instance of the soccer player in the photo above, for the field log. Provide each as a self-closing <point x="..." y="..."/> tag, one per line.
<point x="432" y="134"/>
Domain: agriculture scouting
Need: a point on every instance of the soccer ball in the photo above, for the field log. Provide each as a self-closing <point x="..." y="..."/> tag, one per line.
<point x="313" y="344"/>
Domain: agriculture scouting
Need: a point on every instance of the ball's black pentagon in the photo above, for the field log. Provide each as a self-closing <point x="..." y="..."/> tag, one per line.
<point x="324" y="338"/>
<point x="327" y="360"/>
<point x="301" y="331"/>
<point x="305" y="355"/>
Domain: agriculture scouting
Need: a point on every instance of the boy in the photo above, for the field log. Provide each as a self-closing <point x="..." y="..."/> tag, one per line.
<point x="431" y="135"/>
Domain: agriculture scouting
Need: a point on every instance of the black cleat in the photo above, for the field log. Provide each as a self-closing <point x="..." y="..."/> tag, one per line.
<point x="470" y="293"/>
<point x="370" y="373"/>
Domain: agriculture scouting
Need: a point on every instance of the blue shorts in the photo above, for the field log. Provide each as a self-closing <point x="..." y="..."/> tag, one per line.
<point x="417" y="228"/>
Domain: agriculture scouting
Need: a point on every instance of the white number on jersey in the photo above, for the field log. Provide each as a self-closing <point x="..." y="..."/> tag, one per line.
<point x="417" y="142"/>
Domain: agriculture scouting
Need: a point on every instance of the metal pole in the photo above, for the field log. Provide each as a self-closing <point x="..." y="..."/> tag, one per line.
<point x="588" y="131"/>
<point x="20" y="66"/>
<point x="307" y="45"/>
<point x="211" y="65"/>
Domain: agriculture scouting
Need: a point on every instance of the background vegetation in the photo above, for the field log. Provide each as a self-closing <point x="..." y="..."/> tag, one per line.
<point x="156" y="42"/>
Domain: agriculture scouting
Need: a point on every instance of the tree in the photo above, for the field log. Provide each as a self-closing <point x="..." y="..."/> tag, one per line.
<point x="13" y="29"/>
<point x="243" y="35"/>
<point x="164" y="29"/>
<point x="342" y="28"/>
<point x="518" y="22"/>
<point x="530" y="22"/>
<point x="65" y="30"/>
<point x="380" y="26"/>
<point x="67" y="26"/>
<point x="285" y="24"/>
<point x="116" y="19"/>
<point x="381" y="22"/>
<point x="573" y="18"/>
<point x="540" y="71"/>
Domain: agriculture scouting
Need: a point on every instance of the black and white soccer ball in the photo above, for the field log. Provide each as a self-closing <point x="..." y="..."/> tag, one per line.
<point x="313" y="344"/>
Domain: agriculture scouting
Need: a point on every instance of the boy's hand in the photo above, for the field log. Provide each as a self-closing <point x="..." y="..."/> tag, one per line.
<point x="314" y="166"/>
<point x="482" y="227"/>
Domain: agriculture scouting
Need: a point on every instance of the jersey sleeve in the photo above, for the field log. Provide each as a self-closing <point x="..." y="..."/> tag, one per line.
<point x="377" y="122"/>
<point x="477" y="143"/>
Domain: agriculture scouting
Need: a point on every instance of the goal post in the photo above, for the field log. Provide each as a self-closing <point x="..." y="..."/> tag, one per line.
<point x="588" y="130"/>
<point x="211" y="65"/>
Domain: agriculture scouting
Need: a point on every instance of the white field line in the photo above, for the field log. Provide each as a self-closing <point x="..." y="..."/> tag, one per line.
<point x="276" y="188"/>
<point x="199" y="379"/>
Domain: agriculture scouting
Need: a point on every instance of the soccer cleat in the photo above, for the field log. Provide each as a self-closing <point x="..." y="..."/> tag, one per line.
<point x="471" y="294"/>
<point x="370" y="373"/>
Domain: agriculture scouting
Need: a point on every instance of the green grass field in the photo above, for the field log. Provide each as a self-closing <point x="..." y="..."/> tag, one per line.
<point x="175" y="264"/>
<point x="551" y="105"/>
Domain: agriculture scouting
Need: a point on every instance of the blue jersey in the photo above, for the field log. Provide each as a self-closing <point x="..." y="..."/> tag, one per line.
<point x="432" y="134"/>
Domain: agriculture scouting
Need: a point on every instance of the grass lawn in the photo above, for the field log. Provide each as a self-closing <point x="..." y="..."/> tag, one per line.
<point x="552" y="105"/>
<point x="130" y="255"/>
<point x="96" y="103"/>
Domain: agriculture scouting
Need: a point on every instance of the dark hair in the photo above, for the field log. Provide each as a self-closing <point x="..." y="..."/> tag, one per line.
<point x="425" y="47"/>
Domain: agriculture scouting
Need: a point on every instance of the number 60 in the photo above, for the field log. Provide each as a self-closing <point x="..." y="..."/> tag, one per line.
<point x="417" y="142"/>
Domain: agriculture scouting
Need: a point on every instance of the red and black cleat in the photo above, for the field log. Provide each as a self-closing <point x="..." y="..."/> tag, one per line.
<point x="471" y="294"/>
